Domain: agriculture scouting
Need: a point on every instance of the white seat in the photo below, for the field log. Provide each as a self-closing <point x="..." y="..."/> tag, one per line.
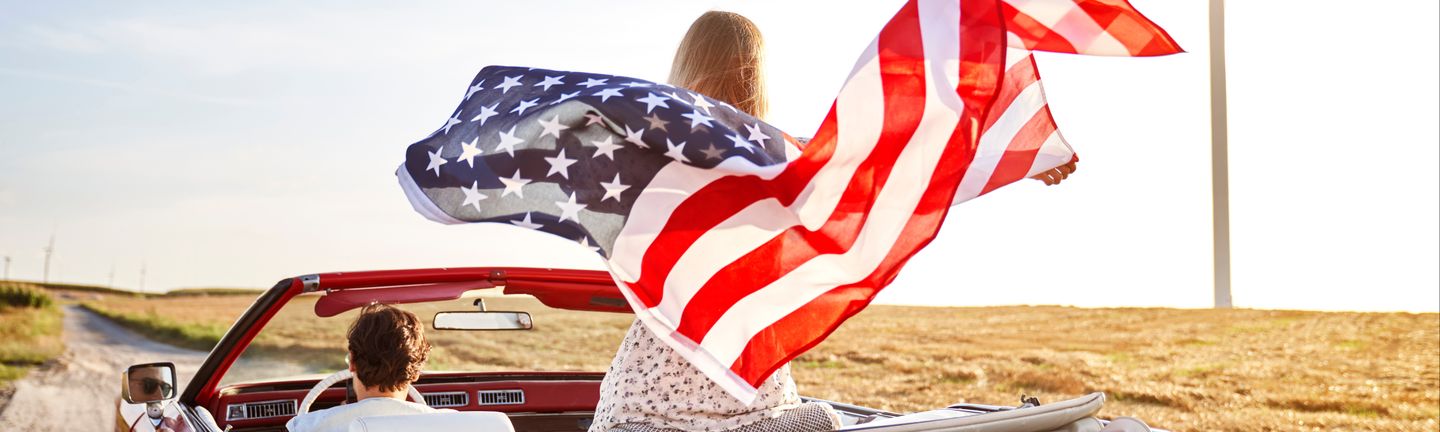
<point x="487" y="421"/>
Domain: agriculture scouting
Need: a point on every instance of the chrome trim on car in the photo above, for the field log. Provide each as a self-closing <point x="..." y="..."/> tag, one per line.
<point x="311" y="282"/>
<point x="436" y="400"/>
<point x="271" y="409"/>
<point x="499" y="397"/>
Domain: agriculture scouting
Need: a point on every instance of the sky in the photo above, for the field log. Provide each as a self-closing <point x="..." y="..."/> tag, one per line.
<point x="235" y="144"/>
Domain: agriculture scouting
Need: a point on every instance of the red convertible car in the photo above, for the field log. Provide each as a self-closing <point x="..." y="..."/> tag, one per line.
<point x="520" y="400"/>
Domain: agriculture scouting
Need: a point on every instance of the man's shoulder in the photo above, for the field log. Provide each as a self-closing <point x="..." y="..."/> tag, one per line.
<point x="338" y="418"/>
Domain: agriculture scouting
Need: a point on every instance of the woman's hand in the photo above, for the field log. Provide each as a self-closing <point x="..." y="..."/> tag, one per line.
<point x="1054" y="176"/>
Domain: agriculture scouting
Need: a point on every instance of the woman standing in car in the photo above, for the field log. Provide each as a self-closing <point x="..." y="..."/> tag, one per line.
<point x="649" y="386"/>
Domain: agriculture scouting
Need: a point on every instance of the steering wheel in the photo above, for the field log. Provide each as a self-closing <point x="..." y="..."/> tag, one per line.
<point x="344" y="374"/>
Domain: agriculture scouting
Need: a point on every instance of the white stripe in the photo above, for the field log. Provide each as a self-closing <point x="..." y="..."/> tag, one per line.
<point x="1013" y="56"/>
<point x="997" y="139"/>
<point x="1072" y="23"/>
<point x="859" y="118"/>
<point x="420" y="201"/>
<point x="894" y="205"/>
<point x="1053" y="153"/>
<point x="859" y="121"/>
<point x="672" y="185"/>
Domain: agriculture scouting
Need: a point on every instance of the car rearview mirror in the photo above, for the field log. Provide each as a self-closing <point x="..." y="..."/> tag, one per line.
<point x="480" y="320"/>
<point x="145" y="383"/>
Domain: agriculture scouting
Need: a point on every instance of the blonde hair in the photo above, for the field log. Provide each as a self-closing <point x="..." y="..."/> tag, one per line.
<point x="720" y="57"/>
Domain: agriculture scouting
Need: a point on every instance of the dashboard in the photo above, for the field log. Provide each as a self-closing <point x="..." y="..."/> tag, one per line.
<point x="540" y="401"/>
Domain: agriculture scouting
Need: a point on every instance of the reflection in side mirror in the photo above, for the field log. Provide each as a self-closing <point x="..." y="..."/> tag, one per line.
<point x="145" y="383"/>
<point x="469" y="320"/>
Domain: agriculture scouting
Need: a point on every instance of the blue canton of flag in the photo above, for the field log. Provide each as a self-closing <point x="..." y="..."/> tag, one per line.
<point x="568" y="153"/>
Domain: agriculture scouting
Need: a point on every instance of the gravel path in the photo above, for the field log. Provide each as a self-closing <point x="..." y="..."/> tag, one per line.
<point x="78" y="390"/>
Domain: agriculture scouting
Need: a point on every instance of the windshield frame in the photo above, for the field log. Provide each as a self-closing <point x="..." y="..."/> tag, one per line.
<point x="585" y="290"/>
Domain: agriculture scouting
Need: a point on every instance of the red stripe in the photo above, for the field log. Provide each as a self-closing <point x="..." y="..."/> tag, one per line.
<point x="721" y="199"/>
<point x="1020" y="154"/>
<point x="1036" y="35"/>
<point x="903" y="76"/>
<point x="1017" y="78"/>
<point x="982" y="40"/>
<point x="1141" y="36"/>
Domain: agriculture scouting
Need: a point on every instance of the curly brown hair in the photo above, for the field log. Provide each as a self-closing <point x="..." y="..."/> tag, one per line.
<point x="388" y="347"/>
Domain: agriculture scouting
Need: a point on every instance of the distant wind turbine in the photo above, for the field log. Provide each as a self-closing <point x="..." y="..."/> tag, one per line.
<point x="49" y="251"/>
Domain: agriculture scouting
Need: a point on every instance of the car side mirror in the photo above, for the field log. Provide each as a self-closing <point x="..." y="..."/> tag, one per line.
<point x="471" y="320"/>
<point x="147" y="383"/>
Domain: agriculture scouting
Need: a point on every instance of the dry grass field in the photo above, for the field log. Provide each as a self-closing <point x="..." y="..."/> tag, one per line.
<point x="1240" y="370"/>
<point x="29" y="330"/>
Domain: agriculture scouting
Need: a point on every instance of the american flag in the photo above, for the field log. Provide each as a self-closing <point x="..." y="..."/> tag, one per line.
<point x="733" y="245"/>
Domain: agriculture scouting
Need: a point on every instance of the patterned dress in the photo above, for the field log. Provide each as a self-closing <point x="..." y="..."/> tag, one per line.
<point x="650" y="386"/>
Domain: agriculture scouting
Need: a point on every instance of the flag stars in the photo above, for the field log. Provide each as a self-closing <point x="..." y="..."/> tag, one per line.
<point x="592" y="82"/>
<point x="508" y="140"/>
<point x="756" y="134"/>
<point x="712" y="152"/>
<point x="652" y="100"/>
<point x="606" y="147"/>
<point x="740" y="142"/>
<point x="473" y="196"/>
<point x="676" y="151"/>
<point x="559" y="165"/>
<point x="605" y="94"/>
<point x="633" y="84"/>
<point x="468" y="151"/>
<point x="569" y="209"/>
<point x="509" y="82"/>
<point x="594" y="119"/>
<point x="435" y="162"/>
<point x="585" y="243"/>
<point x="452" y="121"/>
<point x="613" y="189"/>
<point x="550" y="81"/>
<point x="486" y="113"/>
<point x="515" y="184"/>
<point x="702" y="104"/>
<point x="656" y="122"/>
<point x="474" y="88"/>
<point x="697" y="119"/>
<point x="635" y="137"/>
<point x="552" y="127"/>
<point x="526" y="223"/>
<point x="565" y="96"/>
<point x="524" y="105"/>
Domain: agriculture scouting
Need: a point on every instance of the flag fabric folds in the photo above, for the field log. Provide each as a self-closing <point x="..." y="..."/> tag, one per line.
<point x="1094" y="27"/>
<point x="735" y="246"/>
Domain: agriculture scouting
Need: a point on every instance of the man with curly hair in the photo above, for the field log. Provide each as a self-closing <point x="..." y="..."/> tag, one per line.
<point x="387" y="350"/>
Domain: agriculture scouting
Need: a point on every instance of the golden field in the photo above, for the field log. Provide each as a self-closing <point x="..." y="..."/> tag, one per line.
<point x="1241" y="370"/>
<point x="29" y="331"/>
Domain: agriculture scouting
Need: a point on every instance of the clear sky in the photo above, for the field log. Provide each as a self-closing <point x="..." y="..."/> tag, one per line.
<point x="237" y="143"/>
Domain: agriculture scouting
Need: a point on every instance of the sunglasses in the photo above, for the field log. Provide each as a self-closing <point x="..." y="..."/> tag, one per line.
<point x="152" y="385"/>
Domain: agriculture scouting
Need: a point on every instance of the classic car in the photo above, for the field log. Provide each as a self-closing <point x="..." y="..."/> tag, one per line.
<point x="496" y="399"/>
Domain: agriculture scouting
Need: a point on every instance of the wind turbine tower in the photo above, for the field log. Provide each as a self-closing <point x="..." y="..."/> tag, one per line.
<point x="49" y="250"/>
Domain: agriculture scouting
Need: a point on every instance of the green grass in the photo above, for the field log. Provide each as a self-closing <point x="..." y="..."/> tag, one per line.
<point x="198" y="336"/>
<point x="23" y="295"/>
<point x="30" y="327"/>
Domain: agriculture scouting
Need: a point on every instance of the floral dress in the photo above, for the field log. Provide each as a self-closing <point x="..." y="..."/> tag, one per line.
<point x="652" y="386"/>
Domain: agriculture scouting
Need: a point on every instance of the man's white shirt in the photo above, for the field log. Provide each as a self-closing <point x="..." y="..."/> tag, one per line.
<point x="338" y="419"/>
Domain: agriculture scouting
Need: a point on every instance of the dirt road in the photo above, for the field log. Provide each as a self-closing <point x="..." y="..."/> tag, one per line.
<point x="77" y="392"/>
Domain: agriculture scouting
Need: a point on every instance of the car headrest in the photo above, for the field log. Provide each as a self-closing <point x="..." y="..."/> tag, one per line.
<point x="487" y="421"/>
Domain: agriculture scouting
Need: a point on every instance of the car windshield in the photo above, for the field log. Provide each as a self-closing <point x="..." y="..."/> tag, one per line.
<point x="297" y="342"/>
